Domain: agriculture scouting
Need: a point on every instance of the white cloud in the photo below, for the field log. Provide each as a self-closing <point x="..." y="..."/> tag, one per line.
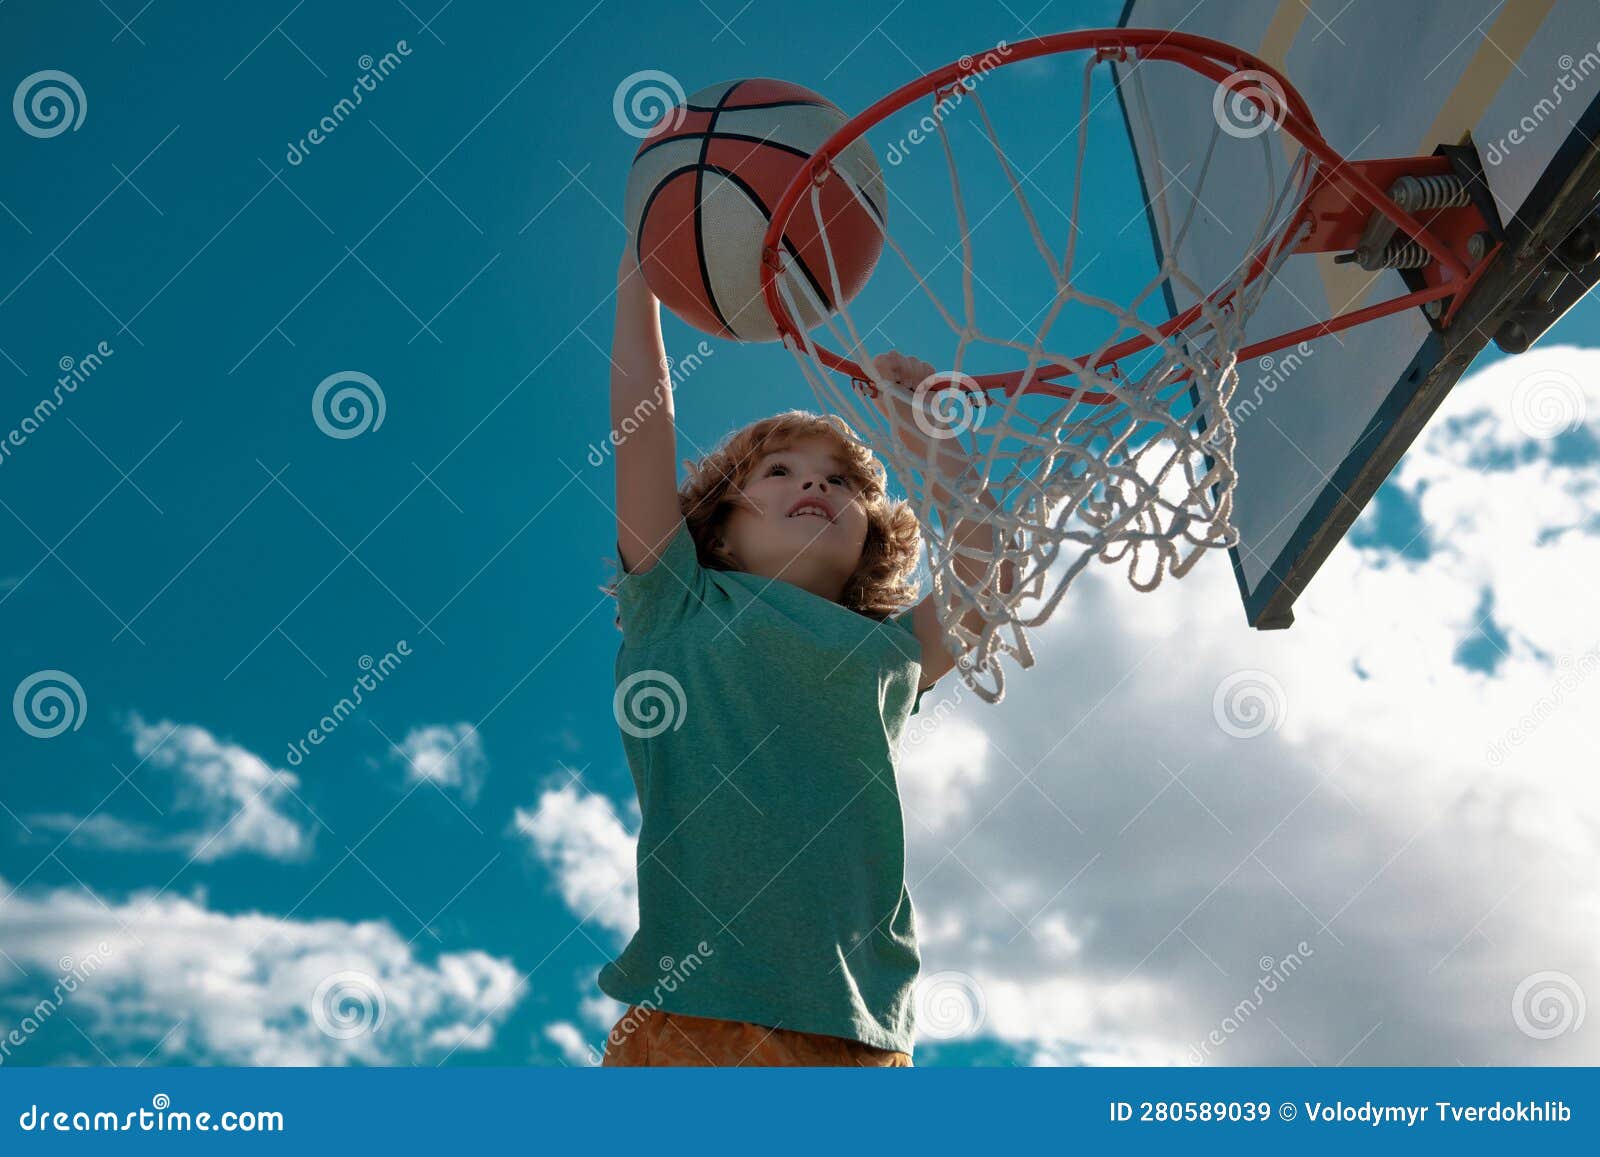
<point x="1121" y="871"/>
<point x="191" y="985"/>
<point x="447" y="756"/>
<point x="599" y="1009"/>
<point x="107" y="832"/>
<point x="225" y="800"/>
<point x="574" y="1048"/>
<point x="938" y="778"/>
<point x="579" y="837"/>
<point x="239" y="795"/>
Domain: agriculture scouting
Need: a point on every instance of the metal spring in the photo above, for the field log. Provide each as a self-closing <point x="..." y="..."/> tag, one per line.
<point x="1420" y="194"/>
<point x="1404" y="254"/>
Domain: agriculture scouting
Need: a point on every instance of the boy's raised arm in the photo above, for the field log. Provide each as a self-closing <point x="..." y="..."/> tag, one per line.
<point x="642" y="423"/>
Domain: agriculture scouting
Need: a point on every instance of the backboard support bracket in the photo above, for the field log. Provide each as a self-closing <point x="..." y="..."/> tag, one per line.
<point x="1533" y="250"/>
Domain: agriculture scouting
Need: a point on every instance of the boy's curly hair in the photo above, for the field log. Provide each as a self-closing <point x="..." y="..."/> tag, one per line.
<point x="882" y="583"/>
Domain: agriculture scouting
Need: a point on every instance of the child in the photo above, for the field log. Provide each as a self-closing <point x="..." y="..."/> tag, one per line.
<point x="768" y="666"/>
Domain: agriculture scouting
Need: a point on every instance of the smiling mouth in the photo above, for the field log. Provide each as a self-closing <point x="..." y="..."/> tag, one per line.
<point x="813" y="509"/>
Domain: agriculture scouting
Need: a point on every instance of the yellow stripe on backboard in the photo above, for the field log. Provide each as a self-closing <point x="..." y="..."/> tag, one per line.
<point x="1497" y="53"/>
<point x="1507" y="39"/>
<point x="1281" y="31"/>
<point x="1344" y="285"/>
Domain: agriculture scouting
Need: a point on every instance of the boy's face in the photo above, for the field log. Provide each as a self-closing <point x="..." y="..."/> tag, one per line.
<point x="808" y="525"/>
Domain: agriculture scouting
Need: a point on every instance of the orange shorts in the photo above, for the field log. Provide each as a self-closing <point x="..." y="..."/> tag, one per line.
<point x="653" y="1037"/>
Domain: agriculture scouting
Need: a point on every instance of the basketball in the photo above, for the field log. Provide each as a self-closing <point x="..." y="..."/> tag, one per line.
<point x="700" y="196"/>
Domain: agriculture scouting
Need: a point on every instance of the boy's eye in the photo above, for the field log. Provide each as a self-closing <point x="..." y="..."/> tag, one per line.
<point x="779" y="469"/>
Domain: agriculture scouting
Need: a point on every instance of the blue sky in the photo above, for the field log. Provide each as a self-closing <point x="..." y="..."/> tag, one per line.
<point x="214" y="570"/>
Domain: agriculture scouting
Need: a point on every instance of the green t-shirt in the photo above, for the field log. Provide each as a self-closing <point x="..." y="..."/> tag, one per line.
<point x="761" y="724"/>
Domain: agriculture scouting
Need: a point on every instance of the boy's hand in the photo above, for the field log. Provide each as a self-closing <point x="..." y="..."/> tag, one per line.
<point x="902" y="369"/>
<point x="929" y="422"/>
<point x="928" y="405"/>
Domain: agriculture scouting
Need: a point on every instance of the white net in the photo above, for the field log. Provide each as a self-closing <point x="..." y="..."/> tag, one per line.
<point x="1119" y="454"/>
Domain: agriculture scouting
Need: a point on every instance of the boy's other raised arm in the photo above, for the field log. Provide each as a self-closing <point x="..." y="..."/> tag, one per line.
<point x="642" y="423"/>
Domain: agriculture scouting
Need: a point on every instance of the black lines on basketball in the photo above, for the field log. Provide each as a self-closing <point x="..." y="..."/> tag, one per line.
<point x="725" y="136"/>
<point x="701" y="201"/>
<point x="699" y="207"/>
<point x="766" y="212"/>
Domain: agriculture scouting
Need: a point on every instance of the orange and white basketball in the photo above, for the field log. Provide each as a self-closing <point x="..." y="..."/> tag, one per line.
<point x="701" y="193"/>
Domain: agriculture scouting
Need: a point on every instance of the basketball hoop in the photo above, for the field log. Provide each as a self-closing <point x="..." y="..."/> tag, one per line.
<point x="1123" y="452"/>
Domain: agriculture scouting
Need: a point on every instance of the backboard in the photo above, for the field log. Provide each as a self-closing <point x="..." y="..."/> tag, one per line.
<point x="1321" y="425"/>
